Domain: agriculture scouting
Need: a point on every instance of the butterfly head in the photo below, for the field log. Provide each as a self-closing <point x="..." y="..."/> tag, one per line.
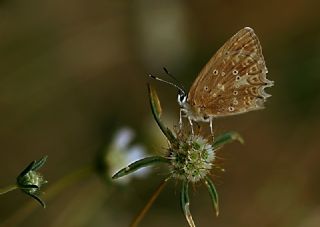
<point x="182" y="97"/>
<point x="182" y="94"/>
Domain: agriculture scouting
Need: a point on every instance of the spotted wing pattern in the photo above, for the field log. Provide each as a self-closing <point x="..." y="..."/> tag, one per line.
<point x="234" y="79"/>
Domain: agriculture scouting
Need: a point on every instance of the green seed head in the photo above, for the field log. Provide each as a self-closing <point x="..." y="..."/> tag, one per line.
<point x="192" y="158"/>
<point x="32" y="178"/>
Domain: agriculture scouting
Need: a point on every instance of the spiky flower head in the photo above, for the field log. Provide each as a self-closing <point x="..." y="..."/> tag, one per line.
<point x="191" y="158"/>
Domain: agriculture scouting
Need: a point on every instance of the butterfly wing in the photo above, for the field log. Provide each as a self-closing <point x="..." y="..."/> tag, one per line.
<point x="234" y="79"/>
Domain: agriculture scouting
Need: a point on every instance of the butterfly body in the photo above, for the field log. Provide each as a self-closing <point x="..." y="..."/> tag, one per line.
<point x="232" y="82"/>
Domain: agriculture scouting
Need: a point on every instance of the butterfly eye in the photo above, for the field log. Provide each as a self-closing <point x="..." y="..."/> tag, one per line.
<point x="182" y="98"/>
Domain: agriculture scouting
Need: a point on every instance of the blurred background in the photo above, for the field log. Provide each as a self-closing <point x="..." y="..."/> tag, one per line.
<point x="73" y="72"/>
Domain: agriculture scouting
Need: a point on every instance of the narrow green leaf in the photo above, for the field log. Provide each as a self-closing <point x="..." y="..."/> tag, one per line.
<point x="32" y="186"/>
<point x="37" y="198"/>
<point x="213" y="194"/>
<point x="140" y="164"/>
<point x="155" y="101"/>
<point x="156" y="111"/>
<point x="184" y="197"/>
<point x="38" y="164"/>
<point x="26" y="170"/>
<point x="33" y="166"/>
<point x="185" y="203"/>
<point x="227" y="137"/>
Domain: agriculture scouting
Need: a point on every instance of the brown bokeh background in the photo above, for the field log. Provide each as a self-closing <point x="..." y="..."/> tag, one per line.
<point x="71" y="72"/>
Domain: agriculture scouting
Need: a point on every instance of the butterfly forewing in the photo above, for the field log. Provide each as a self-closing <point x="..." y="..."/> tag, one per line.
<point x="233" y="81"/>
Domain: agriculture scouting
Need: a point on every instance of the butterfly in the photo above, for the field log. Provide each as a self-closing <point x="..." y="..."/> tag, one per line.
<point x="232" y="82"/>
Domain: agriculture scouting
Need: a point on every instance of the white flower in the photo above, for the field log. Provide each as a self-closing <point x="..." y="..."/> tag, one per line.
<point x="121" y="153"/>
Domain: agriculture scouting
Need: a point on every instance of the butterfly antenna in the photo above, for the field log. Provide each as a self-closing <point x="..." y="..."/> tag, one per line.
<point x="175" y="79"/>
<point x="167" y="82"/>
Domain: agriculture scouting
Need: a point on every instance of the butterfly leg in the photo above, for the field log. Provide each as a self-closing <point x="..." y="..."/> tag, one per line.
<point x="211" y="128"/>
<point x="180" y="119"/>
<point x="191" y="125"/>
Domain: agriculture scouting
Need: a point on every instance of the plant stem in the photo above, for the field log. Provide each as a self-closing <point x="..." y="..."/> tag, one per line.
<point x="9" y="188"/>
<point x="145" y="209"/>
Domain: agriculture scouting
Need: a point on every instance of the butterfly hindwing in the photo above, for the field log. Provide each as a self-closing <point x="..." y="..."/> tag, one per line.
<point x="233" y="81"/>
